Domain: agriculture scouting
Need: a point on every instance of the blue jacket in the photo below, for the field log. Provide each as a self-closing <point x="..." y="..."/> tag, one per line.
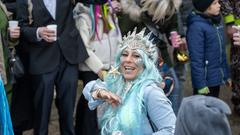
<point x="207" y="52"/>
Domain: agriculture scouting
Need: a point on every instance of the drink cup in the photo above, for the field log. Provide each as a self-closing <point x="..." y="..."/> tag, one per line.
<point x="12" y="24"/>
<point x="54" y="28"/>
<point x="174" y="39"/>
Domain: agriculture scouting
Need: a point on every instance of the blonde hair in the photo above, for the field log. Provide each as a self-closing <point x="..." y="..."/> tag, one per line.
<point x="160" y="9"/>
<point x="130" y="8"/>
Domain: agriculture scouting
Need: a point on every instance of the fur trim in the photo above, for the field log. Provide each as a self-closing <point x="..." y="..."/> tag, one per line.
<point x="158" y="9"/>
<point x="132" y="9"/>
<point x="4" y="8"/>
<point x="79" y="9"/>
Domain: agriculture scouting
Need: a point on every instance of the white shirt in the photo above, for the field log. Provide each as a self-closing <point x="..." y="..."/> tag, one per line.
<point x="51" y="7"/>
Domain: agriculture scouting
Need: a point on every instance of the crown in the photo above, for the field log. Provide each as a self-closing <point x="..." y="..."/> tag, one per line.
<point x="140" y="41"/>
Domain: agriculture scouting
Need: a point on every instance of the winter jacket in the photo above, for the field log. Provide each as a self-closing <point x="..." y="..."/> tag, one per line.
<point x="101" y="51"/>
<point x="207" y="52"/>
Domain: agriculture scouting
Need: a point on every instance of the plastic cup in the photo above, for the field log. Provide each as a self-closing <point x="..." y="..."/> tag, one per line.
<point x="12" y="24"/>
<point x="174" y="39"/>
<point x="54" y="28"/>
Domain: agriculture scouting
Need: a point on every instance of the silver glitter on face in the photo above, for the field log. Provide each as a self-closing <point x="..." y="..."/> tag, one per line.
<point x="134" y="56"/>
<point x="139" y="62"/>
<point x="131" y="64"/>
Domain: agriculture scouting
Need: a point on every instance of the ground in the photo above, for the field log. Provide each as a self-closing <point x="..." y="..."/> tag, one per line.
<point x="225" y="95"/>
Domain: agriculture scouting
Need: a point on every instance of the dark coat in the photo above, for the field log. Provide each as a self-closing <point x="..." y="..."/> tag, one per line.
<point x="207" y="52"/>
<point x="44" y="56"/>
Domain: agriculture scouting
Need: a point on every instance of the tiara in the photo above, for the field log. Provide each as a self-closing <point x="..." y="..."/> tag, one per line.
<point x="135" y="41"/>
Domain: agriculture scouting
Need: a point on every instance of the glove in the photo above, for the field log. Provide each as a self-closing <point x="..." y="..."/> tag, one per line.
<point x="203" y="90"/>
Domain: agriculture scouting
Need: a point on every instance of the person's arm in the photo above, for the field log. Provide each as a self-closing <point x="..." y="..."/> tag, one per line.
<point x="159" y="110"/>
<point x="226" y="68"/>
<point x="96" y="93"/>
<point x="227" y="73"/>
<point x="13" y="34"/>
<point x="171" y="25"/>
<point x="88" y="93"/>
<point x="196" y="47"/>
<point x="83" y="24"/>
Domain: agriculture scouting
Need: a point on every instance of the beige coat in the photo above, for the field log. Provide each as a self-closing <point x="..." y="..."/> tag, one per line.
<point x="101" y="53"/>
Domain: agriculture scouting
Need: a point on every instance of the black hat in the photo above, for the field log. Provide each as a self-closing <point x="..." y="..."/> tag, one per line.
<point x="202" y="5"/>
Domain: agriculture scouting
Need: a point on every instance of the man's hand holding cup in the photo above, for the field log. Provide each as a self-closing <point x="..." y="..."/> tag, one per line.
<point x="49" y="33"/>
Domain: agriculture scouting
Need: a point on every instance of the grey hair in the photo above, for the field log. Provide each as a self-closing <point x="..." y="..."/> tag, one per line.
<point x="132" y="9"/>
<point x="160" y="9"/>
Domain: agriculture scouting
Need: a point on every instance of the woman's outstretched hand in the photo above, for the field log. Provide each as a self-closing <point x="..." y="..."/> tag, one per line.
<point x="108" y="96"/>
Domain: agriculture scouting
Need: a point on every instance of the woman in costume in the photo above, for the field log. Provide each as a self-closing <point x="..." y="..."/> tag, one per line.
<point x="97" y="23"/>
<point x="132" y="102"/>
<point x="160" y="17"/>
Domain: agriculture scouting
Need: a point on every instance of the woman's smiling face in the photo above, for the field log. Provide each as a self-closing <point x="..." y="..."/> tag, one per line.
<point x="131" y="64"/>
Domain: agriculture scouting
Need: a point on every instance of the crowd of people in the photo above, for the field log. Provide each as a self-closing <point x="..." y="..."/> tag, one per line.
<point x="132" y="83"/>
